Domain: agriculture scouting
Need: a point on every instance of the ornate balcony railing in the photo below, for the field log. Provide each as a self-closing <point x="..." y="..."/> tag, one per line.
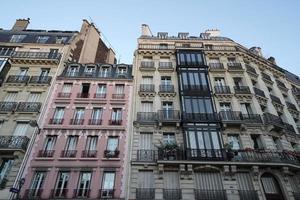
<point x="234" y="66"/>
<point x="59" y="193"/>
<point x="89" y="154"/>
<point x="82" y="193"/>
<point x="115" y="122"/>
<point x="291" y="106"/>
<point x="118" y="96"/>
<point x="95" y="121"/>
<point x="251" y="118"/>
<point x="289" y="128"/>
<point x="251" y="69"/>
<point x="200" y="117"/>
<point x="14" y="142"/>
<point x="170" y="194"/>
<point x="165" y="65"/>
<point x="146" y="155"/>
<point x="168" y="115"/>
<point x="17" y="79"/>
<point x="8" y="106"/>
<point x="222" y="90"/>
<point x="205" y="154"/>
<point x="242" y="90"/>
<point x="111" y="154"/>
<point x="36" y="55"/>
<point x="275" y="99"/>
<point x="106" y="193"/>
<point x="76" y="121"/>
<point x="171" y="154"/>
<point x="29" y="107"/>
<point x="7" y="52"/>
<point x="166" y="88"/>
<point x="216" y="66"/>
<point x="40" y="79"/>
<point x="270" y="119"/>
<point x="33" y="193"/>
<point x="230" y="115"/>
<point x="68" y="153"/>
<point x="64" y="94"/>
<point x="147" y="64"/>
<point x="100" y="95"/>
<point x="145" y="193"/>
<point x="202" y="194"/>
<point x="281" y="85"/>
<point x="56" y="121"/>
<point x="46" y="153"/>
<point x="147" y="88"/>
<point x="146" y="116"/>
<point x="248" y="195"/>
<point x="259" y="92"/>
<point x="266" y="77"/>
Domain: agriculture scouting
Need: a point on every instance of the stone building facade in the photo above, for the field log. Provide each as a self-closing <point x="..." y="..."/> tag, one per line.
<point x="212" y="120"/>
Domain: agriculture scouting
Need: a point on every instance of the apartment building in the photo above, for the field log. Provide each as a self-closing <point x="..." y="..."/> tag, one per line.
<point x="30" y="60"/>
<point x="81" y="151"/>
<point x="212" y="120"/>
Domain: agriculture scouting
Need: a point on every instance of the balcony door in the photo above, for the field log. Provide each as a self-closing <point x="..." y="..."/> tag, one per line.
<point x="49" y="145"/>
<point x="226" y="112"/>
<point x="146" y="147"/>
<point x="167" y="110"/>
<point x="146" y="185"/>
<point x="23" y="71"/>
<point x="84" y="184"/>
<point x="62" y="184"/>
<point x="108" y="182"/>
<point x="37" y="184"/>
<point x="246" y="187"/>
<point x="11" y="97"/>
<point x="5" y="168"/>
<point x="44" y="73"/>
<point x="271" y="187"/>
<point x="171" y="186"/>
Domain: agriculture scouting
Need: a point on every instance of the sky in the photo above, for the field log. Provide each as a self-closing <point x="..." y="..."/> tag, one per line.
<point x="273" y="25"/>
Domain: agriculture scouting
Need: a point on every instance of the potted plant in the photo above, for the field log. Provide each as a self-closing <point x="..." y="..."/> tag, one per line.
<point x="229" y="152"/>
<point x="168" y="151"/>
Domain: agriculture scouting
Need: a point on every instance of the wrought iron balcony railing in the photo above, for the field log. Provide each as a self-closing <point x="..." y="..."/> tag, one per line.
<point x="29" y="107"/>
<point x="168" y="115"/>
<point x="289" y="128"/>
<point x="82" y="193"/>
<point x="56" y="121"/>
<point x="259" y="92"/>
<point x="248" y="195"/>
<point x="222" y="90"/>
<point x="270" y="119"/>
<point x="234" y="66"/>
<point x="118" y="96"/>
<point x="95" y="121"/>
<point x="89" y="154"/>
<point x="216" y="66"/>
<point x="17" y="79"/>
<point x="7" y="52"/>
<point x="147" y="88"/>
<point x="100" y="95"/>
<point x="291" y="106"/>
<point x="266" y="77"/>
<point x="83" y="95"/>
<point x="203" y="194"/>
<point x="275" y="99"/>
<point x="68" y="153"/>
<point x="14" y="142"/>
<point x="76" y="121"/>
<point x="170" y="194"/>
<point x="166" y="88"/>
<point x="59" y="193"/>
<point x="64" y="94"/>
<point x="145" y="193"/>
<point x="146" y="155"/>
<point x="146" y="116"/>
<point x="46" y="153"/>
<point x="281" y="85"/>
<point x="200" y="117"/>
<point x="147" y="64"/>
<point x="8" y="106"/>
<point x="242" y="90"/>
<point x="107" y="193"/>
<point x="251" y="118"/>
<point x="40" y="79"/>
<point x="36" y="55"/>
<point x="165" y="65"/>
<point x="230" y="115"/>
<point x="111" y="154"/>
<point x="251" y="69"/>
<point x="205" y="154"/>
<point x="115" y="122"/>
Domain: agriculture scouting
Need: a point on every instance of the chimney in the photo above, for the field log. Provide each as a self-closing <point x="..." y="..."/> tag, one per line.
<point x="213" y="32"/>
<point x="272" y="60"/>
<point x="256" y="51"/>
<point x="21" y="24"/>
<point x="146" y="30"/>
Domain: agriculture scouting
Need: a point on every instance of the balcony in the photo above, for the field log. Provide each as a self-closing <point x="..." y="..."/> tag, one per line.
<point x="68" y="154"/>
<point x="6" y="52"/>
<point x="251" y="71"/>
<point x="259" y="92"/>
<point x="267" y="79"/>
<point x="248" y="195"/>
<point x="100" y="95"/>
<point x="146" y="155"/>
<point x="275" y="99"/>
<point x="64" y="95"/>
<point x="166" y="116"/>
<point x="83" y="95"/>
<point x="222" y="90"/>
<point x="46" y="153"/>
<point x="111" y="154"/>
<point x="95" y="121"/>
<point x="296" y="92"/>
<point x="282" y="86"/>
<point x="145" y="194"/>
<point x="56" y="121"/>
<point x="29" y="107"/>
<point x="17" y="79"/>
<point x="147" y="66"/>
<point x="147" y="90"/>
<point x="166" y="90"/>
<point x="106" y="194"/>
<point x="8" y="106"/>
<point x="171" y="154"/>
<point x="216" y="67"/>
<point x="40" y="79"/>
<point x="205" y="154"/>
<point x="170" y="194"/>
<point x="82" y="193"/>
<point x="231" y="116"/>
<point x="203" y="194"/>
<point x="277" y="103"/>
<point x="251" y="118"/>
<point x="145" y="117"/>
<point x="200" y="117"/>
<point x="260" y="96"/>
<point x="13" y="142"/>
<point x="165" y="66"/>
<point x="89" y="154"/>
<point x="33" y="194"/>
<point x="35" y="57"/>
<point x="273" y="120"/>
<point x="242" y="90"/>
<point x="235" y="67"/>
<point x="76" y="121"/>
<point x="289" y="128"/>
<point x="267" y="156"/>
<point x="115" y="122"/>
<point x="59" y="193"/>
<point x="118" y="96"/>
<point x="197" y="90"/>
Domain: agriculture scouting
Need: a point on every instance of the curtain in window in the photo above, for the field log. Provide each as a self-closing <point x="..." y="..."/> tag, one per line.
<point x="50" y="142"/>
<point x="20" y="129"/>
<point x="91" y="143"/>
<point x="208" y="181"/>
<point x="34" y="97"/>
<point x="62" y="183"/>
<point x="97" y="113"/>
<point x="101" y="89"/>
<point x="11" y="97"/>
<point x="112" y="143"/>
<point x="59" y="113"/>
<point x="120" y="89"/>
<point x="79" y="114"/>
<point x="72" y="142"/>
<point x="67" y="88"/>
<point x="146" y="141"/>
<point x="117" y="114"/>
<point x="147" y="80"/>
<point x="147" y="106"/>
<point x="244" y="181"/>
<point x="171" y="180"/>
<point x="108" y="180"/>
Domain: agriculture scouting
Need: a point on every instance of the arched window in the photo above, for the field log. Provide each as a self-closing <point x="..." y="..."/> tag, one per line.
<point x="271" y="187"/>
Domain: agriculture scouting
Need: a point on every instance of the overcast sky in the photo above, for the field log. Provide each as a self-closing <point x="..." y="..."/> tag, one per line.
<point x="273" y="25"/>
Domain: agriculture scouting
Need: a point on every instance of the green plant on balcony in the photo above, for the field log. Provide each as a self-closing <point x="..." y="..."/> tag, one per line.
<point x="230" y="153"/>
<point x="168" y="151"/>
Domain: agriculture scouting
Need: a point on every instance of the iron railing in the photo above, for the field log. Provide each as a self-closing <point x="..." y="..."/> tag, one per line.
<point x="205" y="154"/>
<point x="56" y="121"/>
<point x="6" y="52"/>
<point x="266" y="77"/>
<point x="29" y="107"/>
<point x="242" y="90"/>
<point x="118" y="96"/>
<point x="147" y="88"/>
<point x="275" y="99"/>
<point x="111" y="154"/>
<point x="76" y="121"/>
<point x="82" y="193"/>
<point x="83" y="95"/>
<point x="168" y="115"/>
<point x="145" y="193"/>
<point x="89" y="154"/>
<point x="17" y="79"/>
<point x="100" y="95"/>
<point x="248" y="195"/>
<point x="146" y="116"/>
<point x="36" y="55"/>
<point x="147" y="64"/>
<point x="251" y="69"/>
<point x="200" y="117"/>
<point x="251" y="118"/>
<point x="222" y="90"/>
<point x="281" y="85"/>
<point x="166" y="88"/>
<point x="259" y="92"/>
<point x="171" y="154"/>
<point x="59" y="193"/>
<point x="165" y="65"/>
<point x="234" y="66"/>
<point x="146" y="155"/>
<point x="46" y="153"/>
<point x="8" y="106"/>
<point x="95" y="121"/>
<point x="270" y="119"/>
<point x="68" y="153"/>
<point x="230" y="115"/>
<point x="14" y="142"/>
<point x="291" y="106"/>
<point x="107" y="193"/>
<point x="33" y="193"/>
<point x="64" y="94"/>
<point x="115" y="122"/>
<point x="170" y="194"/>
<point x="40" y="79"/>
<point x="216" y="66"/>
<point x="202" y="194"/>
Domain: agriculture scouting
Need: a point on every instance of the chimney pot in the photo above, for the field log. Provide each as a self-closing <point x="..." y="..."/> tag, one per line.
<point x="21" y="24"/>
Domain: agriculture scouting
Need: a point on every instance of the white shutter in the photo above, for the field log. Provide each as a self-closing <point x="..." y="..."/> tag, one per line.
<point x="145" y="179"/>
<point x="20" y="129"/>
<point x="11" y="97"/>
<point x="171" y="180"/>
<point x="146" y="141"/>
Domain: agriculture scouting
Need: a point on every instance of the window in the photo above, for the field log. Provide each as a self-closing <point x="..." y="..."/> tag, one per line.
<point x="73" y="70"/>
<point x="171" y="182"/>
<point x="234" y="141"/>
<point x="44" y="72"/>
<point x="20" y="129"/>
<point x="89" y="70"/>
<point x="146" y="147"/>
<point x="5" y="168"/>
<point x="231" y="60"/>
<point x="147" y="106"/>
<point x="116" y="117"/>
<point x="23" y="72"/>
<point x="220" y="82"/>
<point x="246" y="109"/>
<point x="119" y="92"/>
<point x="108" y="181"/>
<point x="105" y="71"/>
<point x="84" y="184"/>
<point x="62" y="184"/>
<point x="238" y="82"/>
<point x="101" y="91"/>
<point x="169" y="138"/>
<point x="85" y="87"/>
<point x="61" y="39"/>
<point x="214" y="60"/>
<point x="187" y="58"/>
<point x="166" y="80"/>
<point x="58" y="115"/>
<point x="48" y="149"/>
<point x="11" y="97"/>
<point x="42" y="39"/>
<point x="96" y="116"/>
<point x="70" y="149"/>
<point x="112" y="143"/>
<point x="256" y="141"/>
<point x="17" y="38"/>
<point x="197" y="105"/>
<point x="37" y="184"/>
<point x="121" y="70"/>
<point x="78" y="116"/>
<point x="66" y="90"/>
<point x="194" y="79"/>
<point x="34" y="97"/>
<point x="91" y="147"/>
<point x="145" y="182"/>
<point x="277" y="143"/>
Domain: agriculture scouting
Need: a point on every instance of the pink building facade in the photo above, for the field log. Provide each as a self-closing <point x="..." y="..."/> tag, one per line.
<point x="82" y="147"/>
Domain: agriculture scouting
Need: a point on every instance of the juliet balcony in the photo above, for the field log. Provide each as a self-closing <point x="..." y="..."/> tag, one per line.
<point x="147" y="90"/>
<point x="40" y="80"/>
<point x="169" y="117"/>
<point x="76" y="121"/>
<point x="260" y="96"/>
<point x="46" y="153"/>
<point x="13" y="142"/>
<point x="273" y="121"/>
<point x="17" y="79"/>
<point x="242" y="90"/>
<point x="237" y="118"/>
<point x="235" y="67"/>
<point x="216" y="67"/>
<point x="147" y="66"/>
<point x="222" y="90"/>
<point x="22" y="57"/>
<point x="251" y="71"/>
<point x="166" y="90"/>
<point x="145" y="193"/>
<point x="277" y="103"/>
<point x="89" y="154"/>
<point x="29" y="107"/>
<point x="165" y="66"/>
<point x="56" y="121"/>
<point x="267" y="79"/>
<point x="8" y="106"/>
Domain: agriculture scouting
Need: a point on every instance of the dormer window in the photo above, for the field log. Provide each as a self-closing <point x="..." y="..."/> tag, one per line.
<point x="183" y="35"/>
<point x="122" y="70"/>
<point x="42" y="39"/>
<point x="73" y="70"/>
<point x="61" y="39"/>
<point x="17" y="38"/>
<point x="162" y="35"/>
<point x="89" y="70"/>
<point x="104" y="72"/>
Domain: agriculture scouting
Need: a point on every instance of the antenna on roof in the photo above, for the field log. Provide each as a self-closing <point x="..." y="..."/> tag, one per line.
<point x="119" y="60"/>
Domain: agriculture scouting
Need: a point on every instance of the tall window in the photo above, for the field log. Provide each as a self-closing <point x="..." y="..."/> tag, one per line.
<point x="20" y="129"/>
<point x="17" y="38"/>
<point x="120" y="89"/>
<point x="234" y="141"/>
<point x="112" y="144"/>
<point x="190" y="58"/>
<point x="37" y="184"/>
<point x="5" y="168"/>
<point x="147" y="106"/>
<point x="116" y="116"/>
<point x="23" y="71"/>
<point x="78" y="116"/>
<point x="108" y="181"/>
<point x="84" y="184"/>
<point x="256" y="141"/>
<point x="147" y="80"/>
<point x="194" y="104"/>
<point x="73" y="70"/>
<point x="169" y="138"/>
<point x="101" y="91"/>
<point x="70" y="149"/>
<point x="11" y="97"/>
<point x="146" y="147"/>
<point x="246" y="109"/>
<point x="34" y="97"/>
<point x="58" y="115"/>
<point x="48" y="149"/>
<point x="85" y="87"/>
<point x="96" y="116"/>
<point x="194" y="79"/>
<point x="62" y="184"/>
<point x="66" y="90"/>
<point x="166" y="80"/>
<point x="145" y="183"/>
<point x="44" y="74"/>
<point x="91" y="147"/>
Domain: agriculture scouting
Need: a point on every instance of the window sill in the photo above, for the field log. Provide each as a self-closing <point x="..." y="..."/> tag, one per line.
<point x="44" y="158"/>
<point x="62" y="158"/>
<point x="110" y="159"/>
<point x="88" y="159"/>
